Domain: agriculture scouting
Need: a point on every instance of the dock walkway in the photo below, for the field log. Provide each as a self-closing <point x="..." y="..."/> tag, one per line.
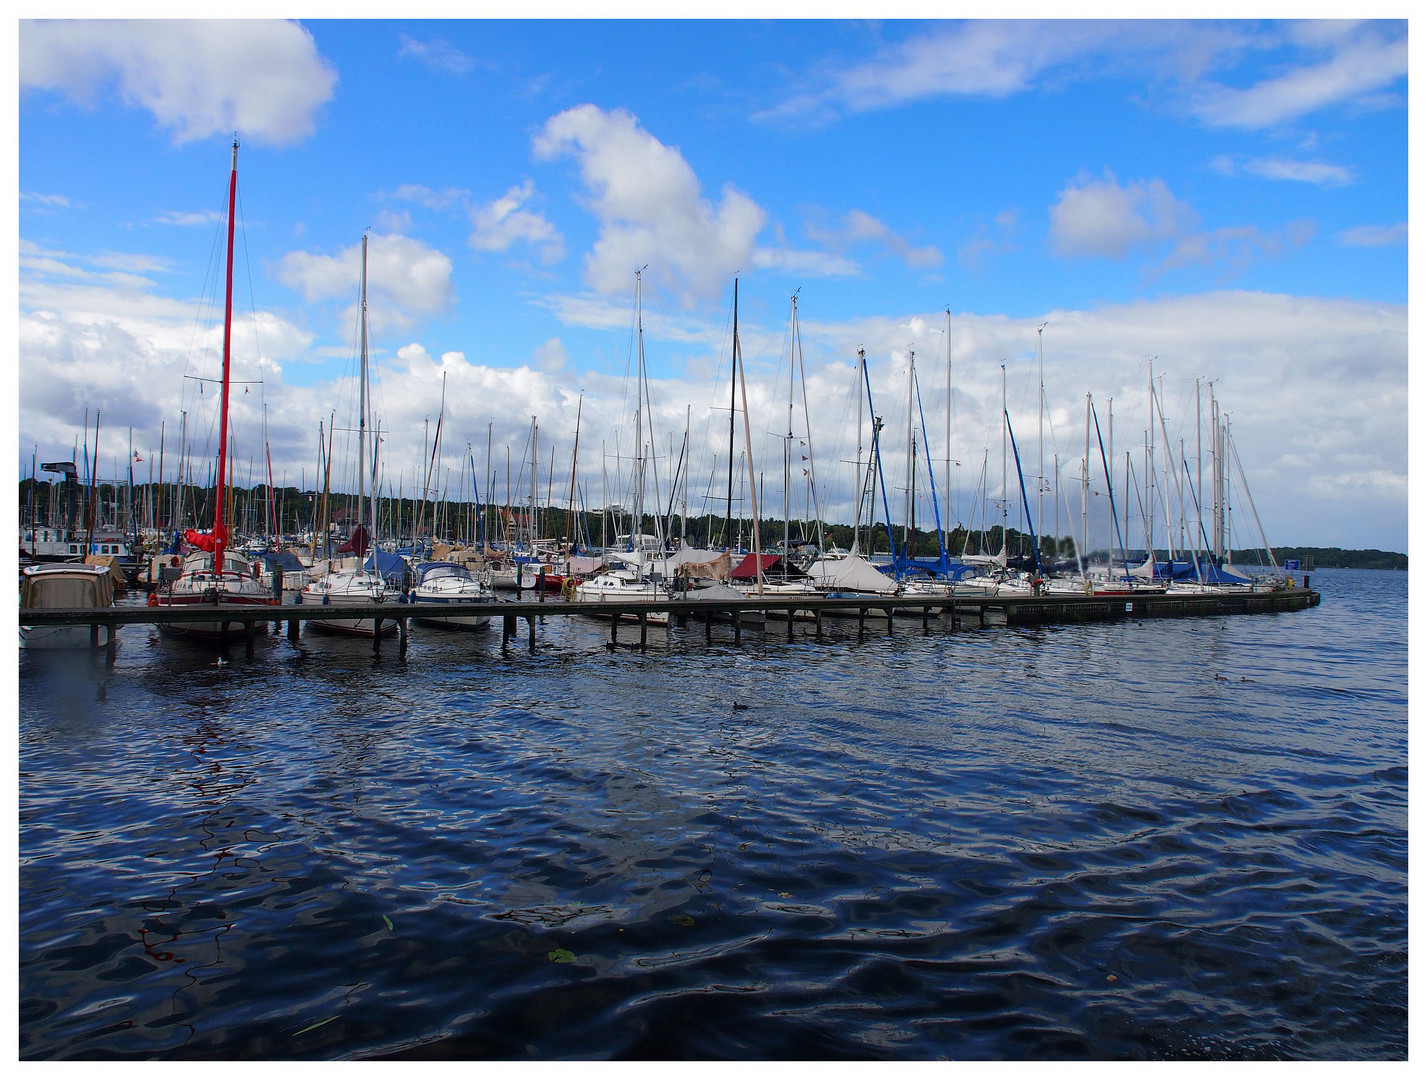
<point x="958" y="611"/>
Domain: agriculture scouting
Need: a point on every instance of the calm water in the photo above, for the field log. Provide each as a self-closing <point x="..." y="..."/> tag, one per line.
<point x="1174" y="839"/>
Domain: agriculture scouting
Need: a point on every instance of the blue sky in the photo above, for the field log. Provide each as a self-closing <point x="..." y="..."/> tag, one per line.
<point x="1224" y="201"/>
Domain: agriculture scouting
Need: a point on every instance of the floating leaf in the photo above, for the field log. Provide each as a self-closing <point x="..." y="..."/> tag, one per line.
<point x="561" y="956"/>
<point x="388" y="923"/>
<point x="313" y="1027"/>
<point x="681" y="920"/>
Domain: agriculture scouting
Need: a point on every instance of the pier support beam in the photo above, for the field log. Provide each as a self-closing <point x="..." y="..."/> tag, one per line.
<point x="507" y="629"/>
<point x="643" y="631"/>
<point x="250" y="631"/>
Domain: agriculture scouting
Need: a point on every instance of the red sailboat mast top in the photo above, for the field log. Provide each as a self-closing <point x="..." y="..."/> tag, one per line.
<point x="220" y="531"/>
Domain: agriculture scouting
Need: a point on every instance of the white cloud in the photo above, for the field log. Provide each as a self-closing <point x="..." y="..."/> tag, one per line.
<point x="650" y="207"/>
<point x="1236" y="247"/>
<point x="43" y="203"/>
<point x="1100" y="217"/>
<point x="405" y="278"/>
<point x="1361" y="62"/>
<point x="982" y="58"/>
<point x="550" y="356"/>
<point x="436" y="54"/>
<point x="425" y="196"/>
<point x="202" y="77"/>
<point x="1197" y="66"/>
<point x="187" y="218"/>
<point x="860" y="227"/>
<point x="1308" y="172"/>
<point x="1374" y="235"/>
<point x="806" y="263"/>
<point x="997" y="238"/>
<point x="505" y="221"/>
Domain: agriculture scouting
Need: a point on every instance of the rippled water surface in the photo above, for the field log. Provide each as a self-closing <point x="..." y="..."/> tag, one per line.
<point x="1160" y="839"/>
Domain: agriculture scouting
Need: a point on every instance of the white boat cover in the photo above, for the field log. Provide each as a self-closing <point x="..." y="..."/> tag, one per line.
<point x="850" y="573"/>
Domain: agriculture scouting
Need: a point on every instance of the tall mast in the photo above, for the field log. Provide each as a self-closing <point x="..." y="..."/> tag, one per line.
<point x="910" y="524"/>
<point x="1004" y="420"/>
<point x="752" y="486"/>
<point x="1040" y="467"/>
<point x="362" y="403"/>
<point x="732" y="412"/>
<point x="220" y="533"/>
<point x="946" y="475"/>
<point x="788" y="444"/>
<point x="570" y="536"/>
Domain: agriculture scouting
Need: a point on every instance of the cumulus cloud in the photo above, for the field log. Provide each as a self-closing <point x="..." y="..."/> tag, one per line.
<point x="263" y="79"/>
<point x="650" y="206"/>
<point x="499" y="224"/>
<point x="1101" y="217"/>
<point x="405" y="278"/>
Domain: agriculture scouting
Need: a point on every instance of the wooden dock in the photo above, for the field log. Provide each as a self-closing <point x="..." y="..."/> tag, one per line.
<point x="954" y="611"/>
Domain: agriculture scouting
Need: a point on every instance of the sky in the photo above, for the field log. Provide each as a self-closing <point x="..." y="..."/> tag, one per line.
<point x="1086" y="204"/>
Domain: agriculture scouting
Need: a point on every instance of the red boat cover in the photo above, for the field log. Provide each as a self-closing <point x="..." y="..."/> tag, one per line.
<point x="207" y="541"/>
<point x="357" y="544"/>
<point x="745" y="569"/>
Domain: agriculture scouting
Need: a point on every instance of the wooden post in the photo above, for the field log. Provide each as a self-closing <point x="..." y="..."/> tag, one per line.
<point x="861" y="621"/>
<point x="507" y="629"/>
<point x="292" y="630"/>
<point x="708" y="627"/>
<point x="614" y="630"/>
<point x="401" y="636"/>
<point x="530" y="623"/>
<point x="643" y="631"/>
<point x="111" y="647"/>
<point x="791" y="613"/>
<point x="738" y="626"/>
<point x="818" y="622"/>
<point x="376" y="634"/>
<point x="889" y="620"/>
<point x="926" y="615"/>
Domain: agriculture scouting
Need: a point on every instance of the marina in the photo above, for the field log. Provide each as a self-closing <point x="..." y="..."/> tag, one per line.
<point x="892" y="554"/>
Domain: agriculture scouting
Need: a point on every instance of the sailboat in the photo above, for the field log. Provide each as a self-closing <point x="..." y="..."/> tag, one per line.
<point x="357" y="584"/>
<point x="212" y="574"/>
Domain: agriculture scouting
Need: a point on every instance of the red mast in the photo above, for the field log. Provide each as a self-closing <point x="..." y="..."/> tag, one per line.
<point x="220" y="531"/>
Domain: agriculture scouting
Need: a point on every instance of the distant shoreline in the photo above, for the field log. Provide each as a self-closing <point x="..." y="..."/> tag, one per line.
<point x="1344" y="559"/>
